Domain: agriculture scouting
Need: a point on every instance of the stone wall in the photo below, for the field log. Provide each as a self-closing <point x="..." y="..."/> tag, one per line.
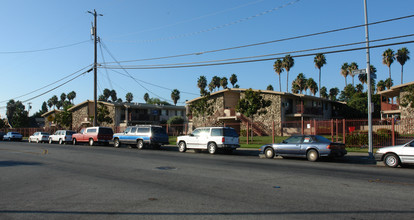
<point x="407" y="117"/>
<point x="78" y="116"/>
<point x="217" y="103"/>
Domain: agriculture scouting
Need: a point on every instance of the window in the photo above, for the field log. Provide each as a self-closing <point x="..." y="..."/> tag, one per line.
<point x="293" y="140"/>
<point x="196" y="132"/>
<point x="133" y="130"/>
<point x="93" y="130"/>
<point x="143" y="130"/>
<point x="217" y="132"/>
<point x="230" y="133"/>
<point x="127" y="130"/>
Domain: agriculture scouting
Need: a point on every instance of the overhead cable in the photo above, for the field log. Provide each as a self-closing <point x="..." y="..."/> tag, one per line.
<point x="46" y="49"/>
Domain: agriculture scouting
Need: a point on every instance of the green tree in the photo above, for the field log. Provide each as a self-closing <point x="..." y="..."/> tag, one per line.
<point x="333" y="92"/>
<point x="62" y="97"/>
<point x="102" y="98"/>
<point x="211" y="86"/>
<point x="269" y="87"/>
<point x="312" y="86"/>
<point x="345" y="72"/>
<point x="16" y="114"/>
<point x="347" y="93"/>
<point x="103" y="114"/>
<point x="223" y="82"/>
<point x="106" y="93"/>
<point x="54" y="100"/>
<point x="113" y="95"/>
<point x="43" y="109"/>
<point x="50" y="103"/>
<point x="359" y="88"/>
<point x="175" y="96"/>
<point x="202" y="107"/>
<point x="388" y="83"/>
<point x="233" y="79"/>
<point x="402" y="56"/>
<point x="319" y="61"/>
<point x="380" y="86"/>
<point x="146" y="97"/>
<point x="300" y="81"/>
<point x="216" y="81"/>
<point x="71" y="96"/>
<point x="176" y="120"/>
<point x="64" y="118"/>
<point x="324" y="93"/>
<point x="388" y="58"/>
<point x="407" y="99"/>
<point x="295" y="88"/>
<point x="278" y="67"/>
<point x="201" y="84"/>
<point x="353" y="66"/>
<point x="129" y="97"/>
<point x="157" y="101"/>
<point x="288" y="62"/>
<point x="252" y="104"/>
<point x="59" y="104"/>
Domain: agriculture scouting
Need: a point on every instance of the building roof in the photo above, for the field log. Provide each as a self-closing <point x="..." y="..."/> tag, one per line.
<point x="130" y="105"/>
<point x="54" y="111"/>
<point x="395" y="90"/>
<point x="238" y="90"/>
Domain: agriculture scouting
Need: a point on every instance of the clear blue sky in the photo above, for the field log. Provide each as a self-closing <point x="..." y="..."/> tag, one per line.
<point x="139" y="29"/>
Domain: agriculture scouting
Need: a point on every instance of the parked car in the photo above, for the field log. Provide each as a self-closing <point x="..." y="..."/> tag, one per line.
<point x="142" y="136"/>
<point x="39" y="137"/>
<point x="209" y="138"/>
<point x="92" y="135"/>
<point x="394" y="156"/>
<point x="61" y="136"/>
<point x="311" y="147"/>
<point x="13" y="136"/>
<point x="2" y="135"/>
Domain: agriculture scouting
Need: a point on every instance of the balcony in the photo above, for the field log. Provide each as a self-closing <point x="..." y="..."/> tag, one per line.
<point x="301" y="109"/>
<point x="389" y="107"/>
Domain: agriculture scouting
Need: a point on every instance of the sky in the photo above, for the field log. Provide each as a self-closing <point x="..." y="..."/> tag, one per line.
<point x="44" y="41"/>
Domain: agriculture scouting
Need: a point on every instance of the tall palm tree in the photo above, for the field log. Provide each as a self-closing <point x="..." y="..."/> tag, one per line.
<point x="146" y="97"/>
<point x="63" y="97"/>
<point x="113" y="95"/>
<point x="278" y="67"/>
<point x="353" y="66"/>
<point x="202" y="83"/>
<point x="388" y="58"/>
<point x="71" y="96"/>
<point x="233" y="79"/>
<point x="224" y="82"/>
<point x="345" y="71"/>
<point x="129" y="97"/>
<point x="312" y="86"/>
<point x="333" y="92"/>
<point x="300" y="81"/>
<point x="288" y="62"/>
<point x="106" y="94"/>
<point x="50" y="103"/>
<point x="359" y="88"/>
<point x="319" y="61"/>
<point x="216" y="81"/>
<point x="269" y="87"/>
<point x="175" y="96"/>
<point x="388" y="83"/>
<point x="323" y="92"/>
<point x="402" y="57"/>
<point x="54" y="100"/>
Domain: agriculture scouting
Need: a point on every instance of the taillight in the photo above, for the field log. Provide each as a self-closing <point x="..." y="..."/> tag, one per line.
<point x="223" y="140"/>
<point x="328" y="147"/>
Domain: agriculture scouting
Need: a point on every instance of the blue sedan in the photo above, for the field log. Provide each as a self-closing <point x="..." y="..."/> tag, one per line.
<point x="311" y="147"/>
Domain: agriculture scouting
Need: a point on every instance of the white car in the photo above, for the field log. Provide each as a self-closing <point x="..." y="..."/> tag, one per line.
<point x="13" y="136"/>
<point x="396" y="155"/>
<point x="209" y="138"/>
<point x="39" y="137"/>
<point x="61" y="136"/>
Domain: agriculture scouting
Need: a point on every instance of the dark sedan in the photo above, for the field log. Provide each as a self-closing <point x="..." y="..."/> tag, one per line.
<point x="311" y="147"/>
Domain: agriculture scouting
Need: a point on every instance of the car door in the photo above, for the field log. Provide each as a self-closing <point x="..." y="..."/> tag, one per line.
<point x="407" y="154"/>
<point x="192" y="138"/>
<point x="290" y="146"/>
<point x="203" y="138"/>
<point x="307" y="143"/>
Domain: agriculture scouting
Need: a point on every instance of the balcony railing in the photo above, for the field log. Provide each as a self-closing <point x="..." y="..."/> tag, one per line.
<point x="301" y="109"/>
<point x="388" y="107"/>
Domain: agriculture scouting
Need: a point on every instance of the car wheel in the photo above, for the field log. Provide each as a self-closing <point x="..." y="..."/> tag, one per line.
<point x="60" y="141"/>
<point x="391" y="160"/>
<point x="37" y="141"/>
<point x="269" y="153"/>
<point x="116" y="143"/>
<point x="312" y="155"/>
<point x="212" y="148"/>
<point x="91" y="142"/>
<point x="50" y="141"/>
<point x="182" y="147"/>
<point x="74" y="142"/>
<point x="140" y="144"/>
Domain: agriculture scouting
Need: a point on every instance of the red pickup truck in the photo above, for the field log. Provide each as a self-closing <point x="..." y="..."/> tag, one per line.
<point x="93" y="135"/>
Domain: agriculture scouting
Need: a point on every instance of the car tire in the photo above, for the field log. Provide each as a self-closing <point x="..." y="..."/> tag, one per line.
<point x="60" y="141"/>
<point x="116" y="143"/>
<point x="182" y="147"/>
<point x="140" y="144"/>
<point x="37" y="140"/>
<point x="391" y="160"/>
<point x="212" y="148"/>
<point x="312" y="155"/>
<point x="269" y="153"/>
<point x="91" y="142"/>
<point x="50" y="141"/>
<point x="74" y="142"/>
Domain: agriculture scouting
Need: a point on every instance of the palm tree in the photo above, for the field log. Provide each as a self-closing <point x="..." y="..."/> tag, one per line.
<point x="59" y="104"/>
<point x="113" y="95"/>
<point x="146" y="97"/>
<point x="201" y="84"/>
<point x="278" y="67"/>
<point x="269" y="87"/>
<point x="287" y="63"/>
<point x="312" y="86"/>
<point x="353" y="66"/>
<point x="54" y="100"/>
<point x="345" y="71"/>
<point x="223" y="82"/>
<point x="380" y="86"/>
<point x="233" y="79"/>
<point x="175" y="96"/>
<point x="211" y="86"/>
<point x="319" y="61"/>
<point x="216" y="82"/>
<point x="402" y="57"/>
<point x="50" y="103"/>
<point x="323" y="92"/>
<point x="63" y="97"/>
<point x="333" y="93"/>
<point x="359" y="88"/>
<point x="71" y="96"/>
<point x="129" y="97"/>
<point x="107" y="94"/>
<point x="388" y="83"/>
<point x="388" y="58"/>
<point x="300" y="81"/>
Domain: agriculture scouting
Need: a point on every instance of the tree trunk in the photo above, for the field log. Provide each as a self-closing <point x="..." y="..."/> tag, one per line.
<point x="402" y="69"/>
<point x="280" y="84"/>
<point x="287" y="81"/>
<point x="319" y="82"/>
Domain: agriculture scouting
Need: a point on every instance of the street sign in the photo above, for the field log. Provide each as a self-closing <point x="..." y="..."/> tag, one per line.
<point x="360" y="71"/>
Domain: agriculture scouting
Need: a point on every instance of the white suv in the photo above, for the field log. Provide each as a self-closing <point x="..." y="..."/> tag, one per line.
<point x="209" y="138"/>
<point x="61" y="136"/>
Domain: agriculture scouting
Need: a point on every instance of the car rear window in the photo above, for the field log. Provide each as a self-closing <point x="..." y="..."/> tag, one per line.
<point x="92" y="130"/>
<point x="45" y="133"/>
<point x="106" y="131"/>
<point x="70" y="132"/>
<point x="322" y="139"/>
<point x="157" y="130"/>
<point x="143" y="130"/>
<point x="230" y="133"/>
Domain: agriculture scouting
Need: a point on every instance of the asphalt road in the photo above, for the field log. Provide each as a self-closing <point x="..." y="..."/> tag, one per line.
<point x="43" y="181"/>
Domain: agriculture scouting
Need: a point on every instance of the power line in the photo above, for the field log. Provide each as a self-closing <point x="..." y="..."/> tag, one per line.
<point x="255" y="60"/>
<point x="267" y="42"/>
<point x="48" y="84"/>
<point x="46" y="49"/>
<point x="281" y="53"/>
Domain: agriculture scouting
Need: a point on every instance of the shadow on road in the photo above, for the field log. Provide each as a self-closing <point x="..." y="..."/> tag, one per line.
<point x="9" y="163"/>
